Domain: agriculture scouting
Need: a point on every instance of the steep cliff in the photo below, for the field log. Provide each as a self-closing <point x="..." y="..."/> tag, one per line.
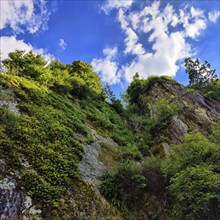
<point x="55" y="146"/>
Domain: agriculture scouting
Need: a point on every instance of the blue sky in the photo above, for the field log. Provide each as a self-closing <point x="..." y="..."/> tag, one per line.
<point x="118" y="37"/>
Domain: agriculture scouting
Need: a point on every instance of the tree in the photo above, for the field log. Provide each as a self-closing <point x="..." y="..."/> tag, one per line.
<point x="199" y="73"/>
<point x="109" y="93"/>
<point x="24" y="63"/>
<point x="135" y="89"/>
<point x="84" y="71"/>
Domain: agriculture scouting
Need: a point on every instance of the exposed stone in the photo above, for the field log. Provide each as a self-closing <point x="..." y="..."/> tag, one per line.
<point x="178" y="130"/>
<point x="7" y="100"/>
<point x="166" y="148"/>
<point x="202" y="117"/>
<point x="100" y="139"/>
<point x="200" y="111"/>
<point x="2" y="165"/>
<point x="91" y="168"/>
<point x="14" y="204"/>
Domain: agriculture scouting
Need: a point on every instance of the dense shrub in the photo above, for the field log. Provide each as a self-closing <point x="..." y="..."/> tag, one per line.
<point x="192" y="174"/>
<point x="8" y="118"/>
<point x="125" y="187"/>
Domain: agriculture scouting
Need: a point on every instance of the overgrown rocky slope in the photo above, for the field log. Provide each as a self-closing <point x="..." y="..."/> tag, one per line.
<point x="63" y="146"/>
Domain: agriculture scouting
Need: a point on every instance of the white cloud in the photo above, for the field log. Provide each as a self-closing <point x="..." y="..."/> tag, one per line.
<point x="62" y="44"/>
<point x="111" y="4"/>
<point x="131" y="41"/>
<point x="23" y="15"/>
<point x="166" y="47"/>
<point x="193" y="21"/>
<point x="106" y="67"/>
<point x="214" y="15"/>
<point x="157" y="38"/>
<point x="10" y="44"/>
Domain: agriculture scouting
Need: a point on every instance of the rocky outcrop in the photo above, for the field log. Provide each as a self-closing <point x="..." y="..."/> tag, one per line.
<point x="92" y="165"/>
<point x="178" y="130"/>
<point x="7" y="100"/>
<point x="14" y="203"/>
<point x="197" y="111"/>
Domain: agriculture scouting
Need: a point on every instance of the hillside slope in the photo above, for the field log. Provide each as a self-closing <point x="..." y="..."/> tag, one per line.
<point x="66" y="153"/>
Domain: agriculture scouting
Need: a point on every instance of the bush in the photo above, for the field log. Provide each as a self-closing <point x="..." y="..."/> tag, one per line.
<point x="192" y="174"/>
<point x="8" y="118"/>
<point x="130" y="152"/>
<point x="125" y="187"/>
<point x="40" y="189"/>
<point x="166" y="109"/>
<point x="195" y="193"/>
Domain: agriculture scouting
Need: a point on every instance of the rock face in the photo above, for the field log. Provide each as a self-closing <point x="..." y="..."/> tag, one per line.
<point x="84" y="200"/>
<point x="92" y="166"/>
<point x="14" y="203"/>
<point x="197" y="111"/>
<point x="7" y="100"/>
<point x="178" y="129"/>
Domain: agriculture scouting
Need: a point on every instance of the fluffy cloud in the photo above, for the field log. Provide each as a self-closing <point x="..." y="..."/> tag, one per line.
<point x="106" y="67"/>
<point x="163" y="47"/>
<point x="131" y="40"/>
<point x="156" y="40"/>
<point x="168" y="49"/>
<point x="23" y="15"/>
<point x="10" y="44"/>
<point x="111" y="4"/>
<point x="213" y="16"/>
<point x="62" y="44"/>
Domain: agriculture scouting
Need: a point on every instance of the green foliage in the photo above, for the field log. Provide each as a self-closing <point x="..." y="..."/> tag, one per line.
<point x="130" y="152"/>
<point x="60" y="77"/>
<point x="125" y="187"/>
<point x="215" y="136"/>
<point x="25" y="64"/>
<point x="135" y="89"/>
<point x="84" y="71"/>
<point x="166" y="109"/>
<point x="40" y="189"/>
<point x="105" y="118"/>
<point x="195" y="150"/>
<point x="110" y="96"/>
<point x="45" y="136"/>
<point x="192" y="174"/>
<point x="195" y="193"/>
<point x="141" y="126"/>
<point x="137" y="188"/>
<point x="212" y="89"/>
<point x="8" y="118"/>
<point x="199" y="74"/>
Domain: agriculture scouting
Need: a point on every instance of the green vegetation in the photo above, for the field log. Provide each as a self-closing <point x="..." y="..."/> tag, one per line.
<point x="192" y="174"/>
<point x="199" y="74"/>
<point x="58" y="106"/>
<point x="211" y="90"/>
<point x="203" y="78"/>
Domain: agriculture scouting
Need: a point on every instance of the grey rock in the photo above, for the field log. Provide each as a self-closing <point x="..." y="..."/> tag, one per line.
<point x="7" y="100"/>
<point x="2" y="165"/>
<point x="166" y="148"/>
<point x="100" y="139"/>
<point x="14" y="204"/>
<point x="178" y="130"/>
<point x="91" y="167"/>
